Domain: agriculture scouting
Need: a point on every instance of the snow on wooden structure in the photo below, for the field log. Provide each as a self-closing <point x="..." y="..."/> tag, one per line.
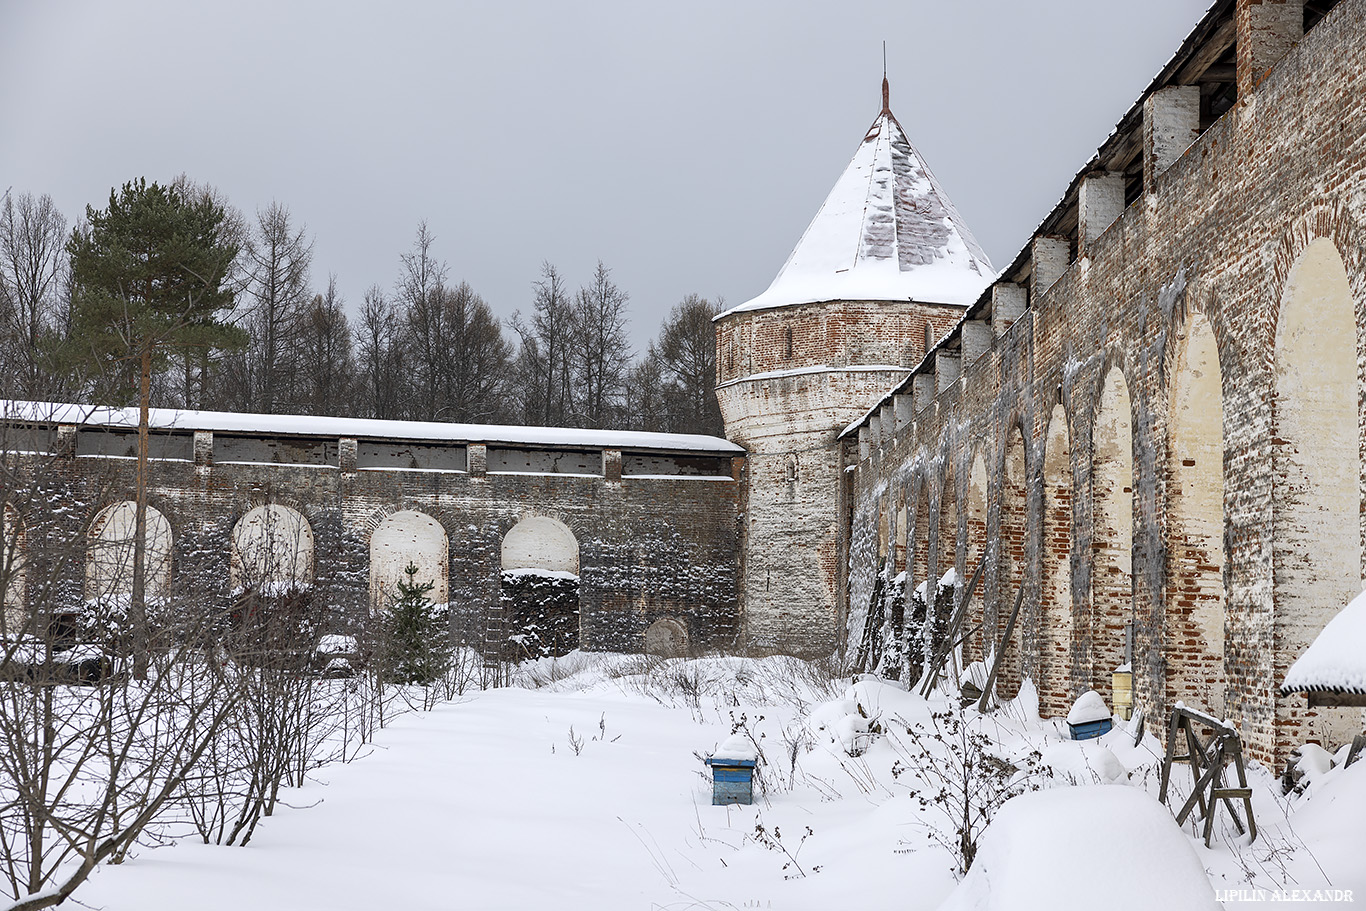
<point x="1332" y="671"/>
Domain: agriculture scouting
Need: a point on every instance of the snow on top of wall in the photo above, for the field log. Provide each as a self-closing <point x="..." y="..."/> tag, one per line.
<point x="521" y="572"/>
<point x="887" y="231"/>
<point x="821" y="368"/>
<point x="315" y="425"/>
<point x="1336" y="660"/>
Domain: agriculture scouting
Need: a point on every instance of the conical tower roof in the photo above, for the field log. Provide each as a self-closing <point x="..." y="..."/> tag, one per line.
<point x="887" y="232"/>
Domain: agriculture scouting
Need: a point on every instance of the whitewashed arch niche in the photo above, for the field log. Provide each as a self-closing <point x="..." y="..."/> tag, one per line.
<point x="1316" y="467"/>
<point x="1112" y="585"/>
<point x="540" y="588"/>
<point x="541" y="543"/>
<point x="109" y="561"/>
<point x="13" y="611"/>
<point x="888" y="610"/>
<point x="405" y="537"/>
<point x="1195" y="523"/>
<point x="272" y="551"/>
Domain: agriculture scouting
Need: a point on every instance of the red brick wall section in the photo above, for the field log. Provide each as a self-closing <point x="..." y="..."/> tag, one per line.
<point x="835" y="333"/>
<point x="1218" y="234"/>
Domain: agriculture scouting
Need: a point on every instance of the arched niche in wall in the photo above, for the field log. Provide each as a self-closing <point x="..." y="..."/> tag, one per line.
<point x="408" y="537"/>
<point x="540" y="588"/>
<point x="667" y="638"/>
<point x="1317" y="543"/>
<point x="1112" y="584"/>
<point x="13" y="610"/>
<point x="977" y="545"/>
<point x="890" y="663"/>
<point x="272" y="551"/>
<point x="903" y="518"/>
<point x="920" y="622"/>
<point x="920" y="535"/>
<point x="948" y="525"/>
<point x="1195" y="523"/>
<point x="1014" y="533"/>
<point x="1056" y="690"/>
<point x="883" y="531"/>
<point x="109" y="560"/>
<point x="270" y="568"/>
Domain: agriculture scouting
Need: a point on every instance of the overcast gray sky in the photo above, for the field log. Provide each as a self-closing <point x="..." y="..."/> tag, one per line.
<point x="686" y="145"/>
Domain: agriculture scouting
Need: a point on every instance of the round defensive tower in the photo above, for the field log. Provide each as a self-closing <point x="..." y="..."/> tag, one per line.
<point x="885" y="268"/>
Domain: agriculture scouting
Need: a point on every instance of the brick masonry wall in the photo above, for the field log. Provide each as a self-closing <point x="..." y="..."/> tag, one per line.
<point x="833" y="334"/>
<point x="1217" y="236"/>
<point x="649" y="549"/>
<point x="844" y="355"/>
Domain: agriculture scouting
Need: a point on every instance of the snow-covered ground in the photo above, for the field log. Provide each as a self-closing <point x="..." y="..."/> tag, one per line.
<point x="584" y="788"/>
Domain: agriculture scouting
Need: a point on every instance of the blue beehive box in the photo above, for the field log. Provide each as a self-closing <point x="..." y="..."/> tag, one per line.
<point x="732" y="780"/>
<point x="1090" y="716"/>
<point x="1090" y="729"/>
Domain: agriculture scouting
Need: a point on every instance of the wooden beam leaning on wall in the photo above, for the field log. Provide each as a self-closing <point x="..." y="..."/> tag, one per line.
<point x="951" y="639"/>
<point x="1000" y="651"/>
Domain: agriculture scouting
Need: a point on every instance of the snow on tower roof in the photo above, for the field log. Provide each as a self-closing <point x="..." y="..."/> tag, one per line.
<point x="887" y="231"/>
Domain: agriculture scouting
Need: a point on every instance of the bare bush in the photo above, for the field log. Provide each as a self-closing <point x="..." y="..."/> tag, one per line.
<point x="91" y="758"/>
<point x="958" y="781"/>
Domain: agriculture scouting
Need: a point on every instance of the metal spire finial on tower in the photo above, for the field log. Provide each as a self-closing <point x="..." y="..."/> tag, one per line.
<point x="886" y="89"/>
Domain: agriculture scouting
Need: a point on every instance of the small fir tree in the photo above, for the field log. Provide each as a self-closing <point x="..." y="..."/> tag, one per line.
<point x="416" y="632"/>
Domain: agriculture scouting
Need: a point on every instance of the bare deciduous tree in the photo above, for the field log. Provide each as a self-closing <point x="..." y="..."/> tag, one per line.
<point x="646" y="399"/>
<point x="90" y="756"/>
<point x="33" y="270"/>
<point x="687" y="357"/>
<point x="327" y="375"/>
<point x="543" y="370"/>
<point x="381" y="357"/>
<point x="278" y="258"/>
<point x="601" y="352"/>
<point x="456" y="355"/>
<point x="460" y="360"/>
<point x="418" y="299"/>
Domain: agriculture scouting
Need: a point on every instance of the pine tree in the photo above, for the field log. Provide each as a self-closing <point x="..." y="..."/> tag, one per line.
<point x="148" y="278"/>
<point x="416" y="633"/>
<point x="148" y="283"/>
